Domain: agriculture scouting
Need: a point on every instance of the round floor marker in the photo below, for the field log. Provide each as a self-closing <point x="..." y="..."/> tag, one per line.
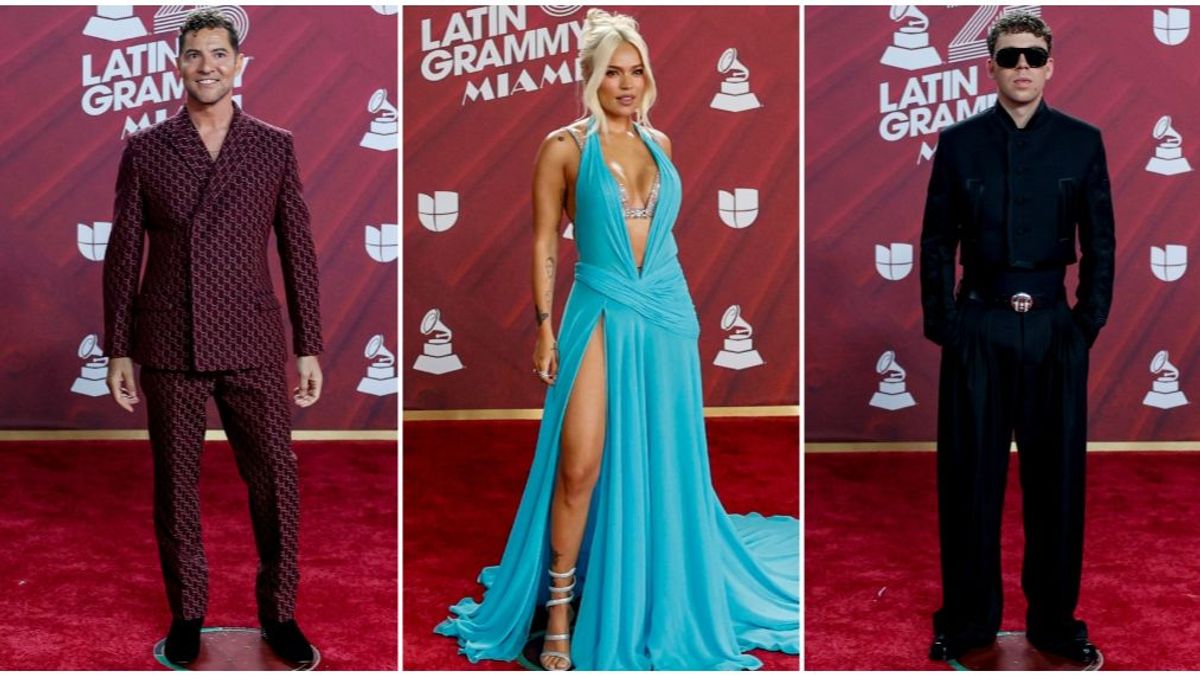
<point x="224" y="648"/>
<point x="1011" y="651"/>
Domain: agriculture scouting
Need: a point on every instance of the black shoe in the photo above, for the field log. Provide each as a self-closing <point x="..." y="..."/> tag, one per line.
<point x="287" y="641"/>
<point x="183" y="640"/>
<point x="944" y="649"/>
<point x="1078" y="649"/>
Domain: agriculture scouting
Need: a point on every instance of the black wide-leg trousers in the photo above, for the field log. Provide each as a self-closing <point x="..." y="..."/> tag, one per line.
<point x="1006" y="374"/>
<point x="253" y="405"/>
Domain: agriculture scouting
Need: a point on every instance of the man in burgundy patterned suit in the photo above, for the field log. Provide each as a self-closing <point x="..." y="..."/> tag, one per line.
<point x="207" y="187"/>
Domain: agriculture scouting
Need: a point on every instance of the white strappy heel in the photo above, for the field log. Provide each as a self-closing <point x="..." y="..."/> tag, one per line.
<point x="550" y="637"/>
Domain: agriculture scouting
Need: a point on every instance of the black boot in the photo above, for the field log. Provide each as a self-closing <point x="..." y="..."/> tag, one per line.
<point x="287" y="641"/>
<point x="183" y="640"/>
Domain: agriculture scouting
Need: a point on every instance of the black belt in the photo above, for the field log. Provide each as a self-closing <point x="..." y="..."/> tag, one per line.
<point x="1020" y="301"/>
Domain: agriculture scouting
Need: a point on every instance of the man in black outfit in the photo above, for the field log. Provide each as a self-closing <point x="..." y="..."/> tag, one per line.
<point x="1011" y="187"/>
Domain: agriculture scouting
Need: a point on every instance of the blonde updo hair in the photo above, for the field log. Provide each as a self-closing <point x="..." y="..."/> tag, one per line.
<point x="602" y="34"/>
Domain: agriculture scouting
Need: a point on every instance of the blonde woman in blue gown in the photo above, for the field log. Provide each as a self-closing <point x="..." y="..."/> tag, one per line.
<point x="620" y="533"/>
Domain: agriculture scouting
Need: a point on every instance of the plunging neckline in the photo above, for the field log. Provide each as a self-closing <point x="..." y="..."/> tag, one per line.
<point x="638" y="271"/>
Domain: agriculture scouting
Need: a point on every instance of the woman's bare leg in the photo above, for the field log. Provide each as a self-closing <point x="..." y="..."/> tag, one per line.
<point x="578" y="467"/>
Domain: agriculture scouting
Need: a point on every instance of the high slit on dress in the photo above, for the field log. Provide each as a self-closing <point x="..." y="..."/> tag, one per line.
<point x="667" y="579"/>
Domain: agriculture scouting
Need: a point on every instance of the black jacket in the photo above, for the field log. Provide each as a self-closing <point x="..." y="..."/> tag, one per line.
<point x="1014" y="199"/>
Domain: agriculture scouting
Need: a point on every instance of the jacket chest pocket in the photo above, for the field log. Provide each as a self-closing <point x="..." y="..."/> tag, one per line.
<point x="1068" y="211"/>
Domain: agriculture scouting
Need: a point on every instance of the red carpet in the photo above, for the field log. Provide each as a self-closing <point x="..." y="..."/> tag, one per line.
<point x="462" y="484"/>
<point x="80" y="587"/>
<point x="871" y="560"/>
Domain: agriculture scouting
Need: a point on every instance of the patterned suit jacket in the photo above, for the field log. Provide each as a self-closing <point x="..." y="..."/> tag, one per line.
<point x="206" y="301"/>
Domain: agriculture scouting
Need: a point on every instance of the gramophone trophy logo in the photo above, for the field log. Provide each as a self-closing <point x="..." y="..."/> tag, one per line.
<point x="1168" y="263"/>
<point x="383" y="243"/>
<point x="1171" y="26"/>
<point x="739" y="352"/>
<point x="894" y="261"/>
<point x="91" y="377"/>
<point x="384" y="133"/>
<point x="381" y="374"/>
<point x="892" y="394"/>
<point x="93" y="240"/>
<point x="438" y="212"/>
<point x="735" y="94"/>
<point x="114" y="23"/>
<point x="438" y="357"/>
<point x="1168" y="158"/>
<point x="910" y="48"/>
<point x="738" y="209"/>
<point x="386" y="10"/>
<point x="1164" y="392"/>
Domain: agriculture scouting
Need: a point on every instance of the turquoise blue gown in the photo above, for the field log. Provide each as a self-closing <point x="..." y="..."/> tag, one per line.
<point x="667" y="580"/>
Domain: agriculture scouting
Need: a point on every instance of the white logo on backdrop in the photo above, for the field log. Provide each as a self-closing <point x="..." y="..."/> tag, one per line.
<point x="739" y="208"/>
<point x="1168" y="158"/>
<point x="926" y="152"/>
<point x="386" y="10"/>
<point x="114" y="23"/>
<point x="1171" y="26"/>
<point x="91" y="377"/>
<point x="894" y="261"/>
<point x="559" y="11"/>
<point x="93" y="240"/>
<point x="385" y="128"/>
<point x="739" y="352"/>
<point x="735" y="94"/>
<point x="139" y="81"/>
<point x="381" y="377"/>
<point x="910" y="48"/>
<point x="1164" y="392"/>
<point x="569" y="233"/>
<point x="1168" y="263"/>
<point x="892" y="394"/>
<point x="383" y="242"/>
<point x="439" y="212"/>
<point x="438" y="357"/>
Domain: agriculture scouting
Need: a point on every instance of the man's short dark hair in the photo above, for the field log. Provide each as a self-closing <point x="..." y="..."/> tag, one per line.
<point x="208" y="17"/>
<point x="1019" y="22"/>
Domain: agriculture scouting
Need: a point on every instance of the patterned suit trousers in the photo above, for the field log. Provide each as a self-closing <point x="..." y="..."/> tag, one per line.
<point x="254" y="410"/>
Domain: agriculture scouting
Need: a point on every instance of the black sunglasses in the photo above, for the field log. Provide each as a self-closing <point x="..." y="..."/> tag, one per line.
<point x="1009" y="57"/>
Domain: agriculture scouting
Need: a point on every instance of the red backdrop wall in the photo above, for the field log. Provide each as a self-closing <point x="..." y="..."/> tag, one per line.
<point x="869" y="128"/>
<point x="482" y="88"/>
<point x="78" y="79"/>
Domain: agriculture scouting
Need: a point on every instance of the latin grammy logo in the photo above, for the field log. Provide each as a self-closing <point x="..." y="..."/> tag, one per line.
<point x="385" y="128"/>
<point x="738" y="209"/>
<point x="894" y="261"/>
<point x="383" y="244"/>
<point x="559" y="11"/>
<point x="1168" y="158"/>
<point x="91" y="377"/>
<point x="735" y="94"/>
<point x="1171" y="26"/>
<point x="439" y="212"/>
<point x="739" y="352"/>
<point x="386" y="10"/>
<point x="1164" y="392"/>
<point x="381" y="377"/>
<point x="569" y="233"/>
<point x="438" y="357"/>
<point x="93" y="240"/>
<point x="114" y="23"/>
<point x="892" y="394"/>
<point x="910" y="48"/>
<point x="1169" y="263"/>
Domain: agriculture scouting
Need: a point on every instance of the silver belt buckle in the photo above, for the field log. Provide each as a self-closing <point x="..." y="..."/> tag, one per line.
<point x="1021" y="302"/>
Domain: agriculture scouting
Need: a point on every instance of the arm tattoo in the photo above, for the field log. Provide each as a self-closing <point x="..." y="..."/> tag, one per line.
<point x="548" y="295"/>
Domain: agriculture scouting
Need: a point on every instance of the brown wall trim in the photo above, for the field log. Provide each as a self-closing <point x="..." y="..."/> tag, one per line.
<point x="536" y="413"/>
